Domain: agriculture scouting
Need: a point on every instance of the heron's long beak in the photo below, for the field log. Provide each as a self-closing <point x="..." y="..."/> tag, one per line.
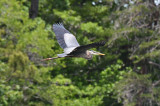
<point x="100" y="54"/>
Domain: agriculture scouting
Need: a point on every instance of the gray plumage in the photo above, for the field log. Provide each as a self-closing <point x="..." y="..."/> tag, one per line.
<point x="71" y="47"/>
<point x="64" y="37"/>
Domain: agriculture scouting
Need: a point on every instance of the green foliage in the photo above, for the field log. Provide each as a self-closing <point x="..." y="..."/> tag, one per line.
<point x="110" y="75"/>
<point x="127" y="75"/>
<point x="18" y="32"/>
<point x="92" y="28"/>
<point x="69" y="16"/>
<point x="134" y="88"/>
<point x="9" y="95"/>
<point x="62" y="92"/>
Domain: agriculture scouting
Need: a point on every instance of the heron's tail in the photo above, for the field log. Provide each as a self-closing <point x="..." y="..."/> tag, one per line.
<point x="50" y="58"/>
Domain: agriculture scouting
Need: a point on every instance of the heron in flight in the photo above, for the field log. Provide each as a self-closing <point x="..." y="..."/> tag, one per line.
<point x="71" y="47"/>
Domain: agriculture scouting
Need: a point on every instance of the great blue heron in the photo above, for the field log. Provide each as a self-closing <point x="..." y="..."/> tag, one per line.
<point x="71" y="47"/>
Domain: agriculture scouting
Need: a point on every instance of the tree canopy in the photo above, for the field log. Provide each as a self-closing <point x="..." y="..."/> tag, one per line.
<point x="129" y="73"/>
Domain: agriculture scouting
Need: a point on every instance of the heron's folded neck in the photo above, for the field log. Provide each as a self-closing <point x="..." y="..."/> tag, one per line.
<point x="88" y="55"/>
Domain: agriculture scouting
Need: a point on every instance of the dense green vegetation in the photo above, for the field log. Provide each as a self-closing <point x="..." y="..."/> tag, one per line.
<point x="129" y="73"/>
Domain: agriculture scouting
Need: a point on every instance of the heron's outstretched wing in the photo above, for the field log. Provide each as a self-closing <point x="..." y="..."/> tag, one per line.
<point x="64" y="37"/>
<point x="83" y="48"/>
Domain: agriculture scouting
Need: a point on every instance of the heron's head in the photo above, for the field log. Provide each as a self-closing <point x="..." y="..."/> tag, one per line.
<point x="95" y="52"/>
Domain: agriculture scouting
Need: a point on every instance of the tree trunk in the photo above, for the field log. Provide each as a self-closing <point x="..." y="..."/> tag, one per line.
<point x="33" y="12"/>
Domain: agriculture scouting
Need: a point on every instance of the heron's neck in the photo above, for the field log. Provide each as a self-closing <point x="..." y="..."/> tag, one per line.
<point x="89" y="55"/>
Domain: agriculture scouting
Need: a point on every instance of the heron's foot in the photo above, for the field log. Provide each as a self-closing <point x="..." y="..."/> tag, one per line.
<point x="47" y="59"/>
<point x="50" y="58"/>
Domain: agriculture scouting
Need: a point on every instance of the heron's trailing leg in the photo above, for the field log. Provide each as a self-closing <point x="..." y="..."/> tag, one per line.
<point x="50" y="58"/>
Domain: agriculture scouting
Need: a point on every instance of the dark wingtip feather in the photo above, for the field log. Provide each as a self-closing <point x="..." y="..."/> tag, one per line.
<point x="58" y="25"/>
<point x="102" y="43"/>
